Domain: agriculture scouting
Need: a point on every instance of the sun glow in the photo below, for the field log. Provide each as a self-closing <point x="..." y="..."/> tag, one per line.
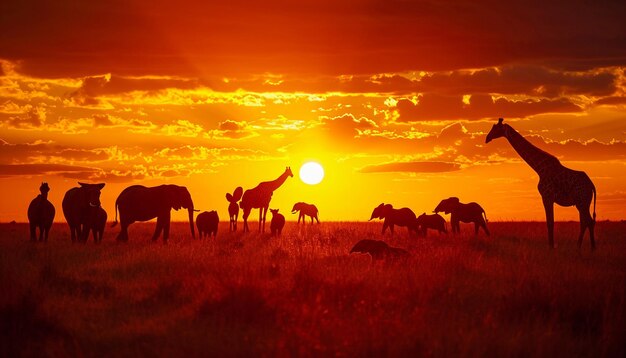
<point x="311" y="173"/>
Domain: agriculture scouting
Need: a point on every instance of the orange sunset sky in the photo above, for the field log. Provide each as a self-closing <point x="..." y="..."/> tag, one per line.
<point x="393" y="98"/>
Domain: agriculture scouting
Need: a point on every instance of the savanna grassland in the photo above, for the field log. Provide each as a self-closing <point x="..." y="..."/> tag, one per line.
<point x="302" y="294"/>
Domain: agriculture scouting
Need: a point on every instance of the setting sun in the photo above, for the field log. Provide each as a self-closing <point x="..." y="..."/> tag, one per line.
<point x="311" y="173"/>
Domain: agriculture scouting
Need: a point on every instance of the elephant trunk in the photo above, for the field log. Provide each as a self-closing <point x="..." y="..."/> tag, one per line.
<point x="193" y="233"/>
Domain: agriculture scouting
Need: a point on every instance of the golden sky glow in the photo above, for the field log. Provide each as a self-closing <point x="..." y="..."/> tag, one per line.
<point x="393" y="99"/>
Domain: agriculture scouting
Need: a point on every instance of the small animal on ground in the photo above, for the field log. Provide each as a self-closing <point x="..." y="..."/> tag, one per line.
<point x="278" y="222"/>
<point x="379" y="250"/>
<point x="401" y="217"/>
<point x="207" y="222"/>
<point x="233" y="207"/>
<point x="434" y="222"/>
<point x="98" y="222"/>
<point x="309" y="210"/>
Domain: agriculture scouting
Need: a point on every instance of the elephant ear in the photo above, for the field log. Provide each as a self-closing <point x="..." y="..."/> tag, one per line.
<point x="454" y="199"/>
<point x="229" y="197"/>
<point x="173" y="197"/>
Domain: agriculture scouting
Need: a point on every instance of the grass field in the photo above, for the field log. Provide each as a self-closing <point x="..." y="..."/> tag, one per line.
<point x="302" y="294"/>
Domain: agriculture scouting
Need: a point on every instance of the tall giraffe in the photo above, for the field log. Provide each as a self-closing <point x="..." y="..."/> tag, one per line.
<point x="259" y="198"/>
<point x="557" y="184"/>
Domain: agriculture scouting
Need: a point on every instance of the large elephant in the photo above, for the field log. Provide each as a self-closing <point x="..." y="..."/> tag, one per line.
<point x="140" y="203"/>
<point x="401" y="217"/>
<point x="78" y="204"/>
<point x="309" y="210"/>
<point x="467" y="213"/>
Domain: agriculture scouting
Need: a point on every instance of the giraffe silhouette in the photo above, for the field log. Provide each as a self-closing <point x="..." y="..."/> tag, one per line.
<point x="557" y="184"/>
<point x="41" y="214"/>
<point x="259" y="198"/>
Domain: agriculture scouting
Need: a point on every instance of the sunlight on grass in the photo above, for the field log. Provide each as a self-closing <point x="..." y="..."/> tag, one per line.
<point x="302" y="293"/>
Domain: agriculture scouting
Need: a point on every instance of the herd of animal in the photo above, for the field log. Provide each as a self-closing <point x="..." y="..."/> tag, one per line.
<point x="84" y="214"/>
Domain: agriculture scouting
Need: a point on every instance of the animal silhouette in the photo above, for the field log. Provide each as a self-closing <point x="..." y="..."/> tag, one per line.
<point x="460" y="212"/>
<point x="77" y="208"/>
<point x="434" y="222"/>
<point x="233" y="207"/>
<point x="259" y="198"/>
<point x="140" y="203"/>
<point x="278" y="222"/>
<point x="97" y="223"/>
<point x="309" y="210"/>
<point x="379" y="250"/>
<point x="207" y="222"/>
<point x="401" y="217"/>
<point x="557" y="183"/>
<point x="41" y="214"/>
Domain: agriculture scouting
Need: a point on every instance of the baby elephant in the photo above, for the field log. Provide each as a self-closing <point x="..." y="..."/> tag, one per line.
<point x="207" y="222"/>
<point x="309" y="210"/>
<point x="278" y="222"/>
<point x="379" y="250"/>
<point x="435" y="222"/>
<point x="97" y="223"/>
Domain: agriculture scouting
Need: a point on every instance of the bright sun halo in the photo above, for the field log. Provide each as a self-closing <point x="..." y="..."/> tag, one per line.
<point x="311" y="173"/>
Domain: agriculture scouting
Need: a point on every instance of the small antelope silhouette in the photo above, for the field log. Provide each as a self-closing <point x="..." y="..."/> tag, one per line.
<point x="233" y="207"/>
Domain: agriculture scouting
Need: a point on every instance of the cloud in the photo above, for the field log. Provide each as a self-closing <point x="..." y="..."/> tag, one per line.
<point x="165" y="38"/>
<point x="412" y="167"/>
<point x="440" y="107"/>
<point x="41" y="169"/>
<point x="347" y="125"/>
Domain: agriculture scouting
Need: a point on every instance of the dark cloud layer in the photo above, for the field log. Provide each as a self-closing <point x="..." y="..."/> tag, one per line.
<point x="442" y="107"/>
<point x="413" y="167"/>
<point x="145" y="37"/>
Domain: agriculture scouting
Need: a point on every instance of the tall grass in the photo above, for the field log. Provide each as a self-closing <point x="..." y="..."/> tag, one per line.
<point x="303" y="294"/>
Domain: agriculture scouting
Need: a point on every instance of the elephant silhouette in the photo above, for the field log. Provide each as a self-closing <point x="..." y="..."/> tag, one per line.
<point x="77" y="207"/>
<point x="140" y="203"/>
<point x="233" y="207"/>
<point x="379" y="250"/>
<point x="401" y="217"/>
<point x="207" y="223"/>
<point x="309" y="210"/>
<point x="41" y="214"/>
<point x="97" y="223"/>
<point x="434" y="222"/>
<point x="278" y="222"/>
<point x="460" y="212"/>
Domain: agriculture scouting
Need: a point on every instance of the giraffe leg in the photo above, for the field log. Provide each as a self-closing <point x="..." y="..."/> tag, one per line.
<point x="586" y="221"/>
<point x="583" y="227"/>
<point x="549" y="207"/>
<point x="264" y="216"/>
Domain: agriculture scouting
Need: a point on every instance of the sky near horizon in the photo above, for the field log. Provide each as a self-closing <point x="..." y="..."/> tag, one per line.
<point x="393" y="98"/>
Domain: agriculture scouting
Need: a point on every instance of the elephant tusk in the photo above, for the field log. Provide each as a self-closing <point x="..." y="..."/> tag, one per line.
<point x="93" y="205"/>
<point x="196" y="209"/>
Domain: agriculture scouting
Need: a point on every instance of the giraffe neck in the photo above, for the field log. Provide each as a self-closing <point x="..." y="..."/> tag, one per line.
<point x="536" y="158"/>
<point x="275" y="184"/>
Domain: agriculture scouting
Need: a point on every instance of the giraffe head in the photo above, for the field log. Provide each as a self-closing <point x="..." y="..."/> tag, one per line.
<point x="288" y="172"/>
<point x="497" y="131"/>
